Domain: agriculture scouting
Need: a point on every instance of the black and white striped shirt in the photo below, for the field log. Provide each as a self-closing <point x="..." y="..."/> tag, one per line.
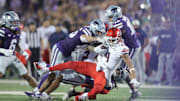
<point x="33" y="39"/>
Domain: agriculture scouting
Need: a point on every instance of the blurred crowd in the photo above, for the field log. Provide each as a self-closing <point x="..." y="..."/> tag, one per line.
<point x="156" y="23"/>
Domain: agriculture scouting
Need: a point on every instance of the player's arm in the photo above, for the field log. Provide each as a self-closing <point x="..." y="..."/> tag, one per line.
<point x="130" y="65"/>
<point x="85" y="38"/>
<point x="100" y="49"/>
<point x="26" y="52"/>
<point x="127" y="27"/>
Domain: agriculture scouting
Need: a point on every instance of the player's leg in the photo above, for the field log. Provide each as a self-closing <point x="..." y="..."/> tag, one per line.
<point x="75" y="79"/>
<point x="130" y="68"/>
<point x="4" y="62"/>
<point x="1" y="74"/>
<point x="32" y="82"/>
<point x="169" y="69"/>
<point x="161" y="65"/>
<point x="56" y="58"/>
<point x="23" y="72"/>
<point x="47" y="78"/>
<point x="99" y="83"/>
<point x="66" y="65"/>
<point x="55" y="84"/>
<point x="43" y="78"/>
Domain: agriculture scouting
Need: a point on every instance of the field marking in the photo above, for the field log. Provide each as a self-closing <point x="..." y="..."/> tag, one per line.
<point x="22" y="93"/>
<point x="23" y="82"/>
<point x="154" y="100"/>
<point x="143" y="98"/>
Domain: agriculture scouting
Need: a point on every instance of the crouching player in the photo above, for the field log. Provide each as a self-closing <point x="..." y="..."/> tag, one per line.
<point x="9" y="38"/>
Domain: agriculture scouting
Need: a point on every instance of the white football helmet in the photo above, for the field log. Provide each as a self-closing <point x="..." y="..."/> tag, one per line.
<point x="113" y="12"/>
<point x="11" y="20"/>
<point x="97" y="27"/>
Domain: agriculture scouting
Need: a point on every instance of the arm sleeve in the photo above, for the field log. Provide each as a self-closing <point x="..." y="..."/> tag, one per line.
<point x="22" y="42"/>
<point x="128" y="26"/>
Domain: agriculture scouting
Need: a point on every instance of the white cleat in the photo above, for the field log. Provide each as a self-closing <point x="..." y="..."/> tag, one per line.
<point x="82" y="97"/>
<point x="134" y="95"/>
<point x="44" y="96"/>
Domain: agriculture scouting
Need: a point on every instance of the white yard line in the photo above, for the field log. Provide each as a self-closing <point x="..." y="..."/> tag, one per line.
<point x="155" y="100"/>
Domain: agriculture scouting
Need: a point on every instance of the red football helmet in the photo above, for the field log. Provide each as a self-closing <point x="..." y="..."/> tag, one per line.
<point x="113" y="36"/>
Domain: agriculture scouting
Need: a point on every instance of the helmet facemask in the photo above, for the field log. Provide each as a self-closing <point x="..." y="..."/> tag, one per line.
<point x="97" y="27"/>
<point x="11" y="20"/>
<point x="113" y="37"/>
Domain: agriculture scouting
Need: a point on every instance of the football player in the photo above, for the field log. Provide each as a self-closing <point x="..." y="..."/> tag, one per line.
<point x="118" y="20"/>
<point x="9" y="38"/>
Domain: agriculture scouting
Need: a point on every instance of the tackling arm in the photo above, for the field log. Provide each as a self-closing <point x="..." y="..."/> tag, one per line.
<point x="129" y="63"/>
<point x="85" y="38"/>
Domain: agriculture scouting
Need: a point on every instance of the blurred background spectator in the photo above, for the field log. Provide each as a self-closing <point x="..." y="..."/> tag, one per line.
<point x="72" y="14"/>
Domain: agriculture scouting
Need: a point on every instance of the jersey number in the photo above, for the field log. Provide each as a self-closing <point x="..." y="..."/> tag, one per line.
<point x="13" y="44"/>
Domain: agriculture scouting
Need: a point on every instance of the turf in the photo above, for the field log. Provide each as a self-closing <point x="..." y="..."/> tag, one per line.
<point x="120" y="94"/>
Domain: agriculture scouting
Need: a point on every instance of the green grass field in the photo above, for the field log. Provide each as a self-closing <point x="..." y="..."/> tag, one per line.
<point x="14" y="92"/>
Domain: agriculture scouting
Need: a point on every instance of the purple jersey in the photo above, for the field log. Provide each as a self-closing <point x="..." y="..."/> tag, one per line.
<point x="129" y="34"/>
<point x="67" y="45"/>
<point x="8" y="38"/>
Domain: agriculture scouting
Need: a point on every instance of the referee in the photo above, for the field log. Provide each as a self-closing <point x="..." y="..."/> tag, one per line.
<point x="34" y="41"/>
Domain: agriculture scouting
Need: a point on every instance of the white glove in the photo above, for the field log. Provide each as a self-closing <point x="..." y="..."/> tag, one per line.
<point x="6" y="52"/>
<point x="100" y="49"/>
<point x="135" y="83"/>
<point x="25" y="54"/>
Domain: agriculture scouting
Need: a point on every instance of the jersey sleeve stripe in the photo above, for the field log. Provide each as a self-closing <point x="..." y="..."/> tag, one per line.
<point x="88" y="32"/>
<point x="118" y="26"/>
<point x="1" y="34"/>
<point x="85" y="32"/>
<point x="117" y="22"/>
<point x="1" y="31"/>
